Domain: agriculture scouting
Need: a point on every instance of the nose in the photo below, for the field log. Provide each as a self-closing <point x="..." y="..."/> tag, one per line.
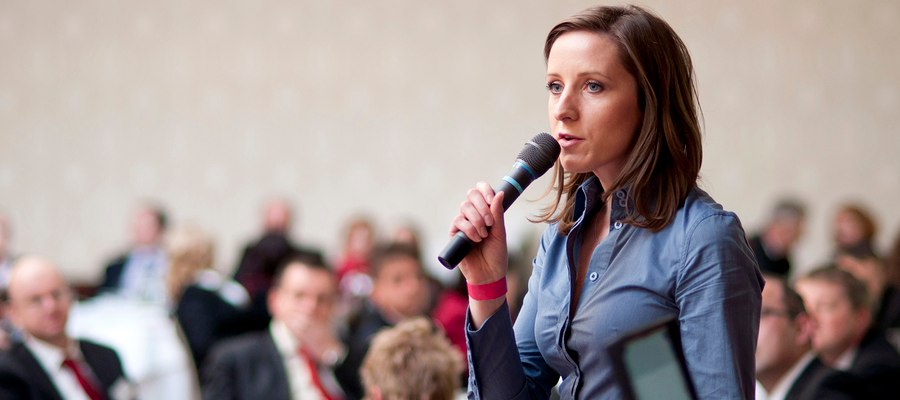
<point x="565" y="106"/>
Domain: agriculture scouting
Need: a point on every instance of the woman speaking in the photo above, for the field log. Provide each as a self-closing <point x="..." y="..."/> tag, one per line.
<point x="630" y="239"/>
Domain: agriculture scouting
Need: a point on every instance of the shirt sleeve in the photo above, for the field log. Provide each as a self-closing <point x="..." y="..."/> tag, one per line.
<point x="507" y="364"/>
<point x="718" y="292"/>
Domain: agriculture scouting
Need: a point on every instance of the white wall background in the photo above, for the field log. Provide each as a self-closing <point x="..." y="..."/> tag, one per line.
<point x="395" y="107"/>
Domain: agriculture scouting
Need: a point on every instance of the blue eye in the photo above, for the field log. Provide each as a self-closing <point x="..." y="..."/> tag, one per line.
<point x="555" y="87"/>
<point x="594" y="87"/>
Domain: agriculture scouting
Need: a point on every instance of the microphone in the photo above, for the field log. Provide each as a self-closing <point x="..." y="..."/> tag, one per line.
<point x="534" y="160"/>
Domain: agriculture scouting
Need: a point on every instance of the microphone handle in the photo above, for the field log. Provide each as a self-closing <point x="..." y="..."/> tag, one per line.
<point x="512" y="186"/>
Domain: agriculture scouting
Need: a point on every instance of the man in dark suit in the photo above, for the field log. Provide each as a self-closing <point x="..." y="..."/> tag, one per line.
<point x="295" y="357"/>
<point x="48" y="364"/>
<point x="399" y="291"/>
<point x="844" y="337"/>
<point x="261" y="257"/>
<point x="140" y="272"/>
<point x="773" y="244"/>
<point x="786" y="368"/>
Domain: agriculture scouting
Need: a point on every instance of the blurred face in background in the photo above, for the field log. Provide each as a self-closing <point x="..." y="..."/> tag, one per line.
<point x="304" y="296"/>
<point x="39" y="300"/>
<point x="848" y="229"/>
<point x="400" y="288"/>
<point x="782" y="339"/>
<point x="145" y="228"/>
<point x="838" y="326"/>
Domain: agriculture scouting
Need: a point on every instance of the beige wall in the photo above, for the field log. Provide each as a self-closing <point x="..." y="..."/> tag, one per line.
<point x="394" y="108"/>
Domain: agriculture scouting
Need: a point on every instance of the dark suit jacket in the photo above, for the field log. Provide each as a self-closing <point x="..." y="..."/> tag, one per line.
<point x="819" y="382"/>
<point x="778" y="266"/>
<point x="877" y="364"/>
<point x="113" y="273"/>
<point x="22" y="377"/>
<point x="245" y="367"/>
<point x="361" y="328"/>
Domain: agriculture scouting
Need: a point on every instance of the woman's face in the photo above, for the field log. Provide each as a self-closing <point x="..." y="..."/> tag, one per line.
<point x="593" y="106"/>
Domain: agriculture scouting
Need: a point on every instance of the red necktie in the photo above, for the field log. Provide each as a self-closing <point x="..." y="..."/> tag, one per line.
<point x="314" y="374"/>
<point x="83" y="380"/>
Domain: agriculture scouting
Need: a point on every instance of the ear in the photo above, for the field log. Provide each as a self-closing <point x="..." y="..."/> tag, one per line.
<point x="272" y="300"/>
<point x="805" y="327"/>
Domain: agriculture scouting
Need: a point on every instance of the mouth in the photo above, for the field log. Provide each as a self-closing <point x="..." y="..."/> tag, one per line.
<point x="566" y="140"/>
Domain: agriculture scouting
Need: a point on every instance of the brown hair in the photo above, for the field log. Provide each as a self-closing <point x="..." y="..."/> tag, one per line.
<point x="412" y="361"/>
<point x="664" y="162"/>
<point x="863" y="218"/>
<point x="854" y="289"/>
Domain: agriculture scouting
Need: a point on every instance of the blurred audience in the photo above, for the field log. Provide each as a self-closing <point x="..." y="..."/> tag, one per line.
<point x="772" y="246"/>
<point x="48" y="364"/>
<point x="261" y="257"/>
<point x="6" y="261"/>
<point x="399" y="291"/>
<point x="841" y="310"/>
<point x="353" y="262"/>
<point x="786" y="367"/>
<point x="885" y="298"/>
<point x="450" y="313"/>
<point x="140" y="272"/>
<point x="411" y="361"/>
<point x="854" y="231"/>
<point x="407" y="234"/>
<point x="295" y="357"/>
<point x="207" y="305"/>
<point x="6" y="257"/>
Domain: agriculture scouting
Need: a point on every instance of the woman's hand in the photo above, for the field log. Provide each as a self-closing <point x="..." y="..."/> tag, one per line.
<point x="481" y="219"/>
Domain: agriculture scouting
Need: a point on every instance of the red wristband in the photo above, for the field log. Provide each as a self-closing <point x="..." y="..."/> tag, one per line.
<point x="487" y="291"/>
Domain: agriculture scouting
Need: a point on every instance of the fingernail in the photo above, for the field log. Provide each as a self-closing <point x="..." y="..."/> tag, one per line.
<point x="484" y="232"/>
<point x="489" y="220"/>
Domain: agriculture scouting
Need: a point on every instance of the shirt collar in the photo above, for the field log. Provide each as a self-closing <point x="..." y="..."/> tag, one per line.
<point x="284" y="341"/>
<point x="845" y="361"/>
<point x="589" y="196"/>
<point x="784" y="384"/>
<point x="50" y="356"/>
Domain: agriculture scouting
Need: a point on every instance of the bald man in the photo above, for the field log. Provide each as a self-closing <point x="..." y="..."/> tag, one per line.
<point x="48" y="364"/>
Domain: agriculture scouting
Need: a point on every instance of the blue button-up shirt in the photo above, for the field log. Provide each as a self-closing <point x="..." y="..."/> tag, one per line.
<point x="698" y="269"/>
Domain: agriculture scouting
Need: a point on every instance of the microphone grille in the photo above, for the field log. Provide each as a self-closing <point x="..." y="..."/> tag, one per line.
<point x="540" y="153"/>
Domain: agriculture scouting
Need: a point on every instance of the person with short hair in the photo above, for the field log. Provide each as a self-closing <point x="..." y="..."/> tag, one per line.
<point x="139" y="273"/>
<point x="772" y="246"/>
<point x="293" y="359"/>
<point x="400" y="291"/>
<point x="411" y="360"/>
<point x="48" y="364"/>
<point x="786" y="367"/>
<point x="841" y="308"/>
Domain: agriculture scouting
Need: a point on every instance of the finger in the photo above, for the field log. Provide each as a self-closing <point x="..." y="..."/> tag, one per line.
<point x="488" y="194"/>
<point x="476" y="217"/>
<point x="461" y="224"/>
<point x="481" y="202"/>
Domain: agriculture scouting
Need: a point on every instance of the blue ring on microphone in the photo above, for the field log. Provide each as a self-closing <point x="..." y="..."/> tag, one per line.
<point x="513" y="182"/>
<point x="527" y="169"/>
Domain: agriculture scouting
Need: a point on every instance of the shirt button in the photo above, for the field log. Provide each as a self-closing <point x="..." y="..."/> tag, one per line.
<point x="594" y="276"/>
<point x="622" y="203"/>
<point x="620" y="194"/>
<point x="618" y="225"/>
